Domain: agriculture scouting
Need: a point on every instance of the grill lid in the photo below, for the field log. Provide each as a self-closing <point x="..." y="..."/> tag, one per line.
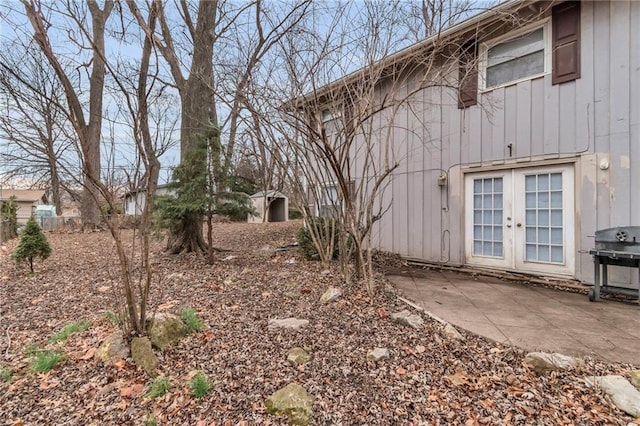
<point x="620" y="238"/>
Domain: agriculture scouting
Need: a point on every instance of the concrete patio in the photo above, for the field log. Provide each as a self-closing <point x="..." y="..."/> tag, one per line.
<point x="530" y="317"/>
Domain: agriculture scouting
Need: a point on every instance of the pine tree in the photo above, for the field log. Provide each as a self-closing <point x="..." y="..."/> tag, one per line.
<point x="32" y="244"/>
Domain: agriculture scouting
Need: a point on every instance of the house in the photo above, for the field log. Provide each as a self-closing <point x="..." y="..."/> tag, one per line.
<point x="134" y="201"/>
<point x="530" y="144"/>
<point x="270" y="206"/>
<point x="27" y="200"/>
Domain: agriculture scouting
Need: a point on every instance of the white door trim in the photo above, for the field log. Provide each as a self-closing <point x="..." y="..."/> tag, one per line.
<point x="514" y="213"/>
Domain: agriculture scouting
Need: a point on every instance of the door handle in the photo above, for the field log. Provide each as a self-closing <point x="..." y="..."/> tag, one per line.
<point x="508" y="225"/>
<point x="519" y="225"/>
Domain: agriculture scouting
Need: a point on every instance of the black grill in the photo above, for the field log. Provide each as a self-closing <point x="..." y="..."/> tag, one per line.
<point x="619" y="246"/>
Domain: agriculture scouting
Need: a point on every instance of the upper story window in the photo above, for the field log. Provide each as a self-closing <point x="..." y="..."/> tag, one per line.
<point x="331" y="121"/>
<point x="516" y="58"/>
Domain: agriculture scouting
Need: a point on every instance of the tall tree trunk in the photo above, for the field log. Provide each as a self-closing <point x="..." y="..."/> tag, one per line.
<point x="198" y="114"/>
<point x="87" y="131"/>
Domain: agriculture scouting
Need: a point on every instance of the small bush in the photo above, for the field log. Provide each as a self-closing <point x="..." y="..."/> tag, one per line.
<point x="193" y="323"/>
<point x="69" y="329"/>
<point x="46" y="360"/>
<point x="6" y="374"/>
<point x="159" y="388"/>
<point x="324" y="226"/>
<point x="32" y="244"/>
<point x="294" y="213"/>
<point x="199" y="385"/>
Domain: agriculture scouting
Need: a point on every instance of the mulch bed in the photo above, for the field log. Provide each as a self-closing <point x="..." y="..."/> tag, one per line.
<point x="429" y="378"/>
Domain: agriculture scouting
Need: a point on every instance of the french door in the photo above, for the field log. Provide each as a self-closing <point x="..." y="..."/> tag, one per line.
<point x="521" y="219"/>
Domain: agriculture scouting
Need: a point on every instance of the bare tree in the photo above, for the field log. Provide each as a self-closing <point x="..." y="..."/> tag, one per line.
<point x="244" y="47"/>
<point x="92" y="39"/>
<point x="349" y="98"/>
<point x="38" y="148"/>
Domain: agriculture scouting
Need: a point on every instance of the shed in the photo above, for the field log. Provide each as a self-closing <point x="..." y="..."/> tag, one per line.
<point x="270" y="206"/>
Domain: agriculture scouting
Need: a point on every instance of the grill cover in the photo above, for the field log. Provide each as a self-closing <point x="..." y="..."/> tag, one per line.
<point x="621" y="238"/>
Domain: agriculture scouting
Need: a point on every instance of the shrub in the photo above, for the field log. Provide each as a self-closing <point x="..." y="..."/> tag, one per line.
<point x="32" y="244"/>
<point x="294" y="213"/>
<point x="193" y="323"/>
<point x="159" y="388"/>
<point x="324" y="226"/>
<point x="46" y="360"/>
<point x="69" y="329"/>
<point x="199" y="385"/>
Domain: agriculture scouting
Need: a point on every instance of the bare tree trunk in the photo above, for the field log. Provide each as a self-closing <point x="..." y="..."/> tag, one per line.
<point x="88" y="132"/>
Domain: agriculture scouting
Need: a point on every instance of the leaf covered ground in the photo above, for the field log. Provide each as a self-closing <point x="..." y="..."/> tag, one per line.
<point x="429" y="378"/>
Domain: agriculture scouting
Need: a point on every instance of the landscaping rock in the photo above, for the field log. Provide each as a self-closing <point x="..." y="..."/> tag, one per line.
<point x="635" y="378"/>
<point x="407" y="318"/>
<point x="541" y="362"/>
<point x="298" y="356"/>
<point x="266" y="251"/>
<point x="166" y="330"/>
<point x="292" y="401"/>
<point x="330" y="295"/>
<point x="113" y="348"/>
<point x="622" y="393"/>
<point x="287" y="323"/>
<point x="378" y="354"/>
<point x="451" y="331"/>
<point x="143" y="355"/>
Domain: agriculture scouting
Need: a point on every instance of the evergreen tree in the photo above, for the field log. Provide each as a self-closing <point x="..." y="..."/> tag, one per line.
<point x="32" y="244"/>
<point x="9" y="218"/>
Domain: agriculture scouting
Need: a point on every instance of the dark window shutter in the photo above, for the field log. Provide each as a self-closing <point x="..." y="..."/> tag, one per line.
<point x="566" y="42"/>
<point x="468" y="75"/>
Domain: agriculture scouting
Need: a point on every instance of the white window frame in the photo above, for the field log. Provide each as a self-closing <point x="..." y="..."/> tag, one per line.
<point x="331" y="121"/>
<point x="325" y="200"/>
<point x="545" y="24"/>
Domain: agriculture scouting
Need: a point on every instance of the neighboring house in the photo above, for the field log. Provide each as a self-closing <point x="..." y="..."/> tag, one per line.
<point x="270" y="206"/>
<point x="135" y="201"/>
<point x="27" y="200"/>
<point x="532" y="148"/>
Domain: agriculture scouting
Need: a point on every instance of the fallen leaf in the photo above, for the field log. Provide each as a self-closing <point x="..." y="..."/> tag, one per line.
<point x="89" y="354"/>
<point x="458" y="378"/>
<point x="132" y="391"/>
<point x="401" y="371"/>
<point x="120" y="364"/>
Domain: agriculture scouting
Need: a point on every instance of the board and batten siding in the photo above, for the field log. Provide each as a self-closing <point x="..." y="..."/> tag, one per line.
<point x="591" y="122"/>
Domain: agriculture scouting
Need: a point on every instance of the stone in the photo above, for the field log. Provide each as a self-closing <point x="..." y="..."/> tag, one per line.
<point x="420" y="349"/>
<point x="378" y="354"/>
<point x="298" y="356"/>
<point x="451" y="331"/>
<point x="166" y="330"/>
<point x="266" y="251"/>
<point x="112" y="349"/>
<point x="541" y="362"/>
<point x="293" y="295"/>
<point x="292" y="401"/>
<point x="622" y="393"/>
<point x="143" y="356"/>
<point x="407" y="318"/>
<point x="287" y="323"/>
<point x="635" y="378"/>
<point x="330" y="295"/>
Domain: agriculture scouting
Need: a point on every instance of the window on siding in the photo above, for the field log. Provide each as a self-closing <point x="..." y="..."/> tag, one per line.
<point x="515" y="59"/>
<point x="329" y="202"/>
